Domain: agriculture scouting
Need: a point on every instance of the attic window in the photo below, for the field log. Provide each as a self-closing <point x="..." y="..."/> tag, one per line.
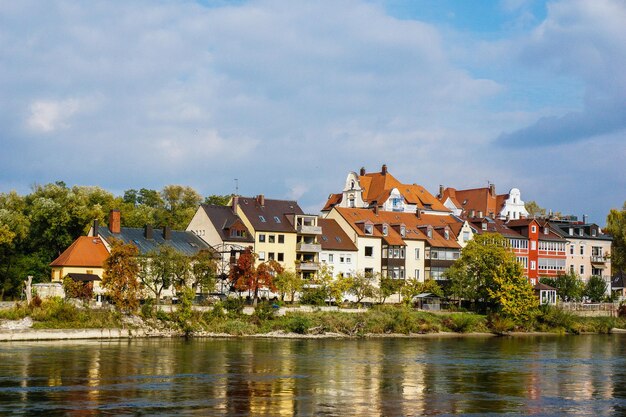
<point x="338" y="239"/>
<point x="571" y="231"/>
<point x="429" y="232"/>
<point x="276" y="219"/>
<point x="484" y="226"/>
<point x="546" y="231"/>
<point x="385" y="230"/>
<point x="446" y="234"/>
<point x="368" y="229"/>
<point x="402" y="231"/>
<point x="324" y="238"/>
<point x="262" y="219"/>
<point x="593" y="232"/>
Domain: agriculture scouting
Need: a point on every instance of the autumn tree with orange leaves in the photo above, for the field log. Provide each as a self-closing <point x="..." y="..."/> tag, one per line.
<point x="120" y="276"/>
<point x="247" y="277"/>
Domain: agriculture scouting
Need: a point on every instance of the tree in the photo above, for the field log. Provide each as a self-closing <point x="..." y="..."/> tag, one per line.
<point x="413" y="287"/>
<point x="338" y="287"/>
<point x="78" y="289"/>
<point x="569" y="287"/>
<point x="157" y="270"/>
<point x="362" y="286"/>
<point x="204" y="271"/>
<point x="616" y="227"/>
<point x="217" y="200"/>
<point x="180" y="204"/>
<point x="120" y="276"/>
<point x="534" y="210"/>
<point x="249" y="278"/>
<point x="288" y="282"/>
<point x="595" y="289"/>
<point x="486" y="270"/>
<point x="388" y="287"/>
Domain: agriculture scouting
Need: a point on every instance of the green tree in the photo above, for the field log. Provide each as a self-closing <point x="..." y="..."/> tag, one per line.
<point x="120" y="276"/>
<point x="157" y="270"/>
<point x="362" y="286"/>
<point x="413" y="287"/>
<point x="595" y="289"/>
<point x="616" y="227"/>
<point x="217" y="200"/>
<point x="534" y="210"/>
<point x="569" y="287"/>
<point x="486" y="269"/>
<point x="204" y="271"/>
<point x="339" y="286"/>
<point x="180" y="204"/>
<point x="288" y="282"/>
<point x="388" y="287"/>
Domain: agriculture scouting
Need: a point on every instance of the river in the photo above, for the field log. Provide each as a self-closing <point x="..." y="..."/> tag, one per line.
<point x="531" y="375"/>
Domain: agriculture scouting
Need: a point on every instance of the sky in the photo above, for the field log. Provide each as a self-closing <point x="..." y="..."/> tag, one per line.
<point x="284" y="98"/>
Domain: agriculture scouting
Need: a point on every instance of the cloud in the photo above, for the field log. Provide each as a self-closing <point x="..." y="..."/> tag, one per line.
<point x="48" y="115"/>
<point x="587" y="41"/>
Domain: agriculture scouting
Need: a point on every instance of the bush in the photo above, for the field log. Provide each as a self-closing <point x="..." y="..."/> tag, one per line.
<point x="499" y="324"/>
<point x="147" y="308"/>
<point x="462" y="323"/>
<point x="298" y="323"/>
<point x="556" y="318"/>
<point x="162" y="315"/>
<point x="314" y="296"/>
<point x="234" y="305"/>
<point x="264" y="311"/>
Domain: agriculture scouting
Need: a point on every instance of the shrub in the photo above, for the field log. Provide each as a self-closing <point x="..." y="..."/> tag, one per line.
<point x="147" y="308"/>
<point x="314" y="296"/>
<point x="462" y="323"/>
<point x="264" y="311"/>
<point x="162" y="315"/>
<point x="556" y="318"/>
<point x="499" y="324"/>
<point x="298" y="323"/>
<point x="234" y="305"/>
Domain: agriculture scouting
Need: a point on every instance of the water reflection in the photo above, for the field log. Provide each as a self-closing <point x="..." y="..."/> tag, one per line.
<point x="580" y="375"/>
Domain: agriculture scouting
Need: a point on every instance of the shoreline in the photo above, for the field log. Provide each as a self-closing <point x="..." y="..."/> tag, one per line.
<point x="25" y="335"/>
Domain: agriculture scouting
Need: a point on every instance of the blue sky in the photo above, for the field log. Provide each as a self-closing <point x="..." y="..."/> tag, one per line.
<point x="288" y="97"/>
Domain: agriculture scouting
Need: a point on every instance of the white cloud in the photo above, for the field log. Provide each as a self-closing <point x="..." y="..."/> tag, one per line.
<point x="48" y="115"/>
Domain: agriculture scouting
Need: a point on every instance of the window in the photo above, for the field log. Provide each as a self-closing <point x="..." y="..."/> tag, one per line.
<point x="281" y="257"/>
<point x="593" y="232"/>
<point x="262" y="219"/>
<point x="430" y="232"/>
<point x="582" y="249"/>
<point x="271" y="239"/>
<point x="571" y="249"/>
<point x="417" y="274"/>
<point x="533" y="265"/>
<point x="369" y="272"/>
<point x="582" y="270"/>
<point x="571" y="231"/>
<point x="385" y="230"/>
<point x="466" y="236"/>
<point x="402" y="231"/>
<point x="523" y="260"/>
<point x="270" y="256"/>
<point x="417" y="253"/>
<point x="342" y="259"/>
<point x="89" y="271"/>
<point x="261" y="256"/>
<point x="369" y="251"/>
<point x="281" y="238"/>
<point x="368" y="229"/>
<point x="276" y="219"/>
<point x="237" y="233"/>
<point x="484" y="226"/>
<point x="533" y="245"/>
<point x="330" y="257"/>
<point x="348" y="259"/>
<point x="533" y="228"/>
<point x="262" y="238"/>
<point x="446" y="234"/>
<point x="571" y="268"/>
<point x="351" y="203"/>
<point x="546" y="231"/>
<point x="581" y="231"/>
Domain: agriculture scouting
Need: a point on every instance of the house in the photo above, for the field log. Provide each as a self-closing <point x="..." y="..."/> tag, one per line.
<point x="338" y="250"/>
<point x="545" y="293"/>
<point x="275" y="229"/>
<point x="483" y="202"/>
<point x="383" y="191"/>
<point x="588" y="248"/>
<point x="82" y="261"/>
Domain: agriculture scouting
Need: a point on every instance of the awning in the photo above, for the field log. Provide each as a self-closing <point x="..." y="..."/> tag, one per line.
<point x="84" y="277"/>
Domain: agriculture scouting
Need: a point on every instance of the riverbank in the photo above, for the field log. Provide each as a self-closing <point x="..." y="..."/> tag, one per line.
<point x="61" y="320"/>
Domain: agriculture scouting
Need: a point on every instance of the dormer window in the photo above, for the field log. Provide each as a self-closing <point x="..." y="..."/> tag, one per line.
<point x="446" y="234"/>
<point x="369" y="229"/>
<point x="385" y="230"/>
<point x="571" y="231"/>
<point x="351" y="202"/>
<point x="430" y="232"/>
<point x="484" y="226"/>
<point x="546" y="231"/>
<point x="593" y="232"/>
<point x="402" y="231"/>
<point x="581" y="231"/>
<point x="533" y="228"/>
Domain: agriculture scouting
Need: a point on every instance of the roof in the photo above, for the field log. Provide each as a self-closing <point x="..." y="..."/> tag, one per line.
<point x="496" y="226"/>
<point x="333" y="200"/>
<point x="521" y="226"/>
<point x="418" y="195"/>
<point x="333" y="237"/>
<point x="562" y="228"/>
<point x="184" y="242"/>
<point x="271" y="216"/>
<point x="415" y="227"/>
<point x="543" y="287"/>
<point x="479" y="200"/>
<point x="223" y="218"/>
<point x="84" y="277"/>
<point x="84" y="251"/>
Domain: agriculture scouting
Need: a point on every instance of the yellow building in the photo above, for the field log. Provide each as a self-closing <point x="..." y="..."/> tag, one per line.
<point x="82" y="261"/>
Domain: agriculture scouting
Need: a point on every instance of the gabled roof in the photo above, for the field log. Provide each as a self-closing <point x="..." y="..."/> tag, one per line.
<point x="377" y="185"/>
<point x="562" y="228"/>
<point x="495" y="226"/>
<point x="184" y="242"/>
<point x="479" y="200"/>
<point x="263" y="217"/>
<point x="418" y="195"/>
<point x="333" y="200"/>
<point x="83" y="252"/>
<point x="333" y="237"/>
<point x="415" y="227"/>
<point x="223" y="219"/>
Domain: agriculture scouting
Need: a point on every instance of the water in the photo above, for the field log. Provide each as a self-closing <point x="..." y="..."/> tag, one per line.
<point x="575" y="375"/>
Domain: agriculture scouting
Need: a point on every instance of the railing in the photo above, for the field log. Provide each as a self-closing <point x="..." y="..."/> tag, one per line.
<point x="309" y="230"/>
<point x="309" y="247"/>
<point x="308" y="266"/>
<point x="598" y="259"/>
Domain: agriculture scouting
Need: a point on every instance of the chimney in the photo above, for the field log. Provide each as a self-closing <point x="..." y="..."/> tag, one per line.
<point x="261" y="200"/>
<point x="480" y="214"/>
<point x="492" y="190"/>
<point x="362" y="172"/>
<point x="384" y="169"/>
<point x="235" y="203"/>
<point x="148" y="232"/>
<point x="472" y="213"/>
<point x="115" y="225"/>
<point x="584" y="219"/>
<point x="167" y="233"/>
<point x="440" y="190"/>
<point x="376" y="209"/>
<point x="95" y="228"/>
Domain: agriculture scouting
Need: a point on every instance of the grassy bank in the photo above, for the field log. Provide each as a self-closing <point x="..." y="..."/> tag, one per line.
<point x="380" y="320"/>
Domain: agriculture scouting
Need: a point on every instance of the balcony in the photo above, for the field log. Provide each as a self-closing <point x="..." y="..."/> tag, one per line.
<point x="309" y="247"/>
<point x="308" y="266"/>
<point x="309" y="230"/>
<point x="598" y="259"/>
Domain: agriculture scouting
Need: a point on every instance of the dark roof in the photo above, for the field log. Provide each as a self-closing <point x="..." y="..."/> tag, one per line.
<point x="84" y="277"/>
<point x="223" y="218"/>
<point x="263" y="217"/>
<point x="563" y="230"/>
<point x="184" y="242"/>
<point x="543" y="287"/>
<point x="333" y="237"/>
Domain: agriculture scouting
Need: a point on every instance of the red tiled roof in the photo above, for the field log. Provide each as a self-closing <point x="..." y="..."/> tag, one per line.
<point x="84" y="251"/>
<point x="333" y="236"/>
<point x="333" y="200"/>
